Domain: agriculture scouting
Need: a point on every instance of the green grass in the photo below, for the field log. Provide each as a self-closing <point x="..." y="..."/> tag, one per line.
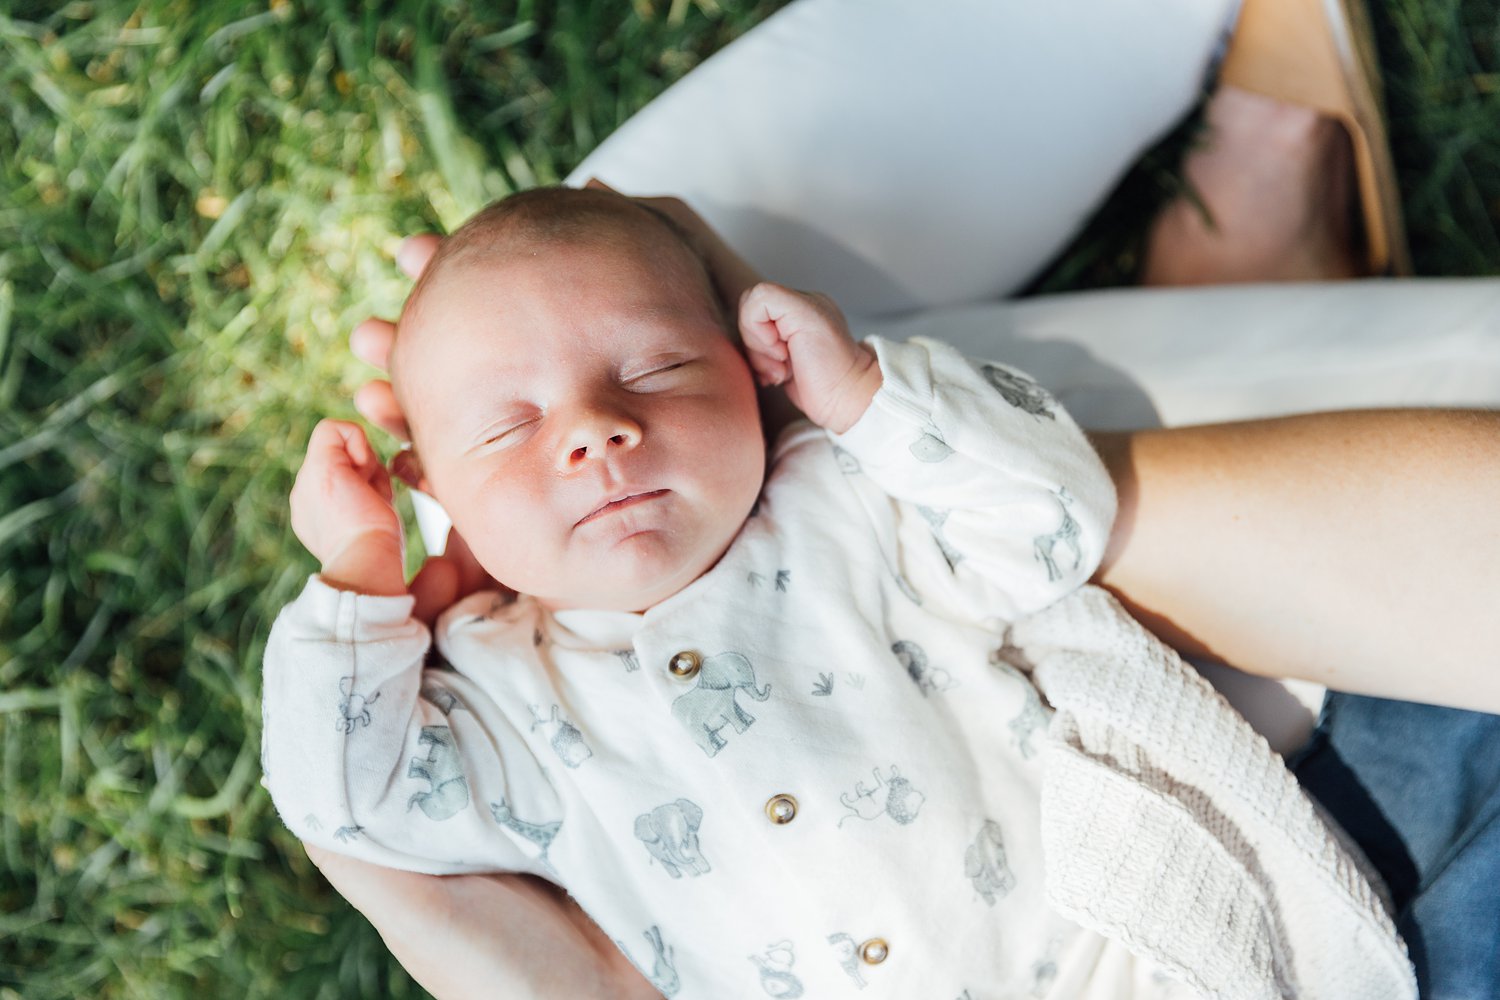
<point x="197" y="202"/>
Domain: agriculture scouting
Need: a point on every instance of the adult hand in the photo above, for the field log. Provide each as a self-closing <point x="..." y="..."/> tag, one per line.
<point x="467" y="937"/>
<point x="443" y="579"/>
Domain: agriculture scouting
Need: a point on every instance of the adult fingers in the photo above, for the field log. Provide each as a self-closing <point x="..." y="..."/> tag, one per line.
<point x="372" y="341"/>
<point x="376" y="402"/>
<point x="415" y="252"/>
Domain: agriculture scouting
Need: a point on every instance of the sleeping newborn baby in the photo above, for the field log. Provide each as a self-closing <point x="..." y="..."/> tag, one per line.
<point x="774" y="721"/>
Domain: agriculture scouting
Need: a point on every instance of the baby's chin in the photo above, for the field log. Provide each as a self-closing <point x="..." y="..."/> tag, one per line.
<point x="631" y="581"/>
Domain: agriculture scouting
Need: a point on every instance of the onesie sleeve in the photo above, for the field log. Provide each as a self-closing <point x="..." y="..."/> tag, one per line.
<point x="367" y="753"/>
<point x="989" y="473"/>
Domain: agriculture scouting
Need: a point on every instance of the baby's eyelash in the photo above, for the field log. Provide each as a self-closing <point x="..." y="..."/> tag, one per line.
<point x="509" y="430"/>
<point x="657" y="371"/>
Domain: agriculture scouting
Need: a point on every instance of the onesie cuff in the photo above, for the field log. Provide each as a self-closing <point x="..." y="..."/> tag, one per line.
<point x="351" y="617"/>
<point x="904" y="399"/>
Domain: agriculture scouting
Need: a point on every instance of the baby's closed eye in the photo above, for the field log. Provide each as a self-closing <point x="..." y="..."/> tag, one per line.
<point x="657" y="377"/>
<point x="508" y="430"/>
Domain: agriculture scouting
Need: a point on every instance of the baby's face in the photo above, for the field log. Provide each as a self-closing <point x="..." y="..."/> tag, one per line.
<point x="584" y="419"/>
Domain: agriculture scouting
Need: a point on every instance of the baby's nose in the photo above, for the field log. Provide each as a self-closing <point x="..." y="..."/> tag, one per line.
<point x="595" y="434"/>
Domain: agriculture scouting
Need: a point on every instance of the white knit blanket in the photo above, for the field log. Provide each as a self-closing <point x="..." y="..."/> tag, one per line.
<point x="1170" y="825"/>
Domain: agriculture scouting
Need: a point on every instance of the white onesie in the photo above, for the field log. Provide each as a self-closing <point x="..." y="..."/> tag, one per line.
<point x="814" y="771"/>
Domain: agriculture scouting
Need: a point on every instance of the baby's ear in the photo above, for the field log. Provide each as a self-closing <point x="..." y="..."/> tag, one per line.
<point x="406" y="465"/>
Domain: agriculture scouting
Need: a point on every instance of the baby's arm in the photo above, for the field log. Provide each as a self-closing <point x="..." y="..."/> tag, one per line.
<point x="1003" y="486"/>
<point x="365" y="752"/>
<point x="999" y="477"/>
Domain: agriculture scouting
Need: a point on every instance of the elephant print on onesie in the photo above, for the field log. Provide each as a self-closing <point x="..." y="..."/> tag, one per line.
<point x="710" y="705"/>
<point x="893" y="796"/>
<point x="1018" y="390"/>
<point x="354" y="709"/>
<point x="567" y="742"/>
<point x="447" y="789"/>
<point x="670" y="833"/>
<point x="927" y="679"/>
<point x="985" y="864"/>
<point x="775" y="967"/>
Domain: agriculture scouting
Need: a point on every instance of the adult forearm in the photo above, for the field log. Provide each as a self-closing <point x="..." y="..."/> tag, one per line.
<point x="1360" y="550"/>
<point x="466" y="937"/>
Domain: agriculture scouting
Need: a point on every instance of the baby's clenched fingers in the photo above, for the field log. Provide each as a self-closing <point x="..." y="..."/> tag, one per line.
<point x="782" y="314"/>
<point x="768" y="370"/>
<point x="340" y="442"/>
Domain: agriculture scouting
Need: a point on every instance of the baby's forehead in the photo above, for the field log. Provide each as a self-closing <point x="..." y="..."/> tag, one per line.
<point x="486" y="296"/>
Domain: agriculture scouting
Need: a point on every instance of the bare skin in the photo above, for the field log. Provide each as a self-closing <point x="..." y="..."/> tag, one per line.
<point x="1277" y="182"/>
<point x="1358" y="549"/>
<point x="461" y="935"/>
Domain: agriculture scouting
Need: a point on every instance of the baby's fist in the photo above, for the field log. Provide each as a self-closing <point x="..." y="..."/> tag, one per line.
<point x="342" y="510"/>
<point x="800" y="340"/>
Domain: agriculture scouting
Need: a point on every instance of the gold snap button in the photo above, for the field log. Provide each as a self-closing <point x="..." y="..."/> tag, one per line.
<point x="874" y="951"/>
<point x="685" y="663"/>
<point x="781" y="809"/>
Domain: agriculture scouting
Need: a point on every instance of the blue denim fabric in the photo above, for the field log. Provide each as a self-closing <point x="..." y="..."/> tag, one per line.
<point x="1418" y="788"/>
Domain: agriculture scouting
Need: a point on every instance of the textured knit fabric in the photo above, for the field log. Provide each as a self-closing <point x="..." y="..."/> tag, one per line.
<point x="1169" y="824"/>
<point x="847" y="754"/>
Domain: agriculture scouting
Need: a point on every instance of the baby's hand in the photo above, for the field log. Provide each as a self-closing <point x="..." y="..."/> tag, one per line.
<point x="800" y="339"/>
<point x="342" y="511"/>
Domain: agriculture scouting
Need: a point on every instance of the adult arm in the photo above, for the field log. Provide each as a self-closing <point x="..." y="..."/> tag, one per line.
<point x="481" y="936"/>
<point x="1360" y="550"/>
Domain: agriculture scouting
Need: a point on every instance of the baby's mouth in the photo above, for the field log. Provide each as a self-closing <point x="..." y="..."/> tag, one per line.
<point x="617" y="504"/>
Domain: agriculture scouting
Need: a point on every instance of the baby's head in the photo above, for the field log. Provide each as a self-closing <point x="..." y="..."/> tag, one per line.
<point x="577" y="402"/>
